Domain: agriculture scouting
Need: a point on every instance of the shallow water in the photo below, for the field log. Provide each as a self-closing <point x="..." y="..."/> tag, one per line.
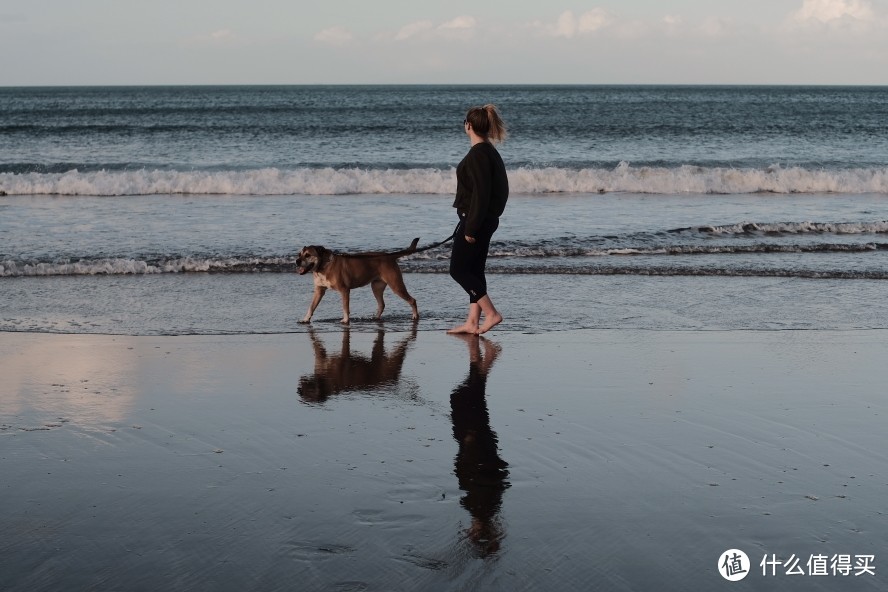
<point x="121" y="265"/>
<point x="207" y="304"/>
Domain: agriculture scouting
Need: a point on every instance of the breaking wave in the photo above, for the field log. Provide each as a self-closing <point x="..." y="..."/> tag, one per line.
<point x="783" y="228"/>
<point x="685" y="179"/>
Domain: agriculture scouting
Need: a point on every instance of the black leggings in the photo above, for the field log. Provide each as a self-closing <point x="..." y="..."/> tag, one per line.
<point x="467" y="260"/>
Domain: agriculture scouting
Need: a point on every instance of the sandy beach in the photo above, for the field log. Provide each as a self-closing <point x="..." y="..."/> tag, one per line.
<point x="576" y="460"/>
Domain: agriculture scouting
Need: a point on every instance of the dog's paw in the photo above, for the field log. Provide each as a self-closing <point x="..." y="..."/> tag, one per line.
<point x="305" y="321"/>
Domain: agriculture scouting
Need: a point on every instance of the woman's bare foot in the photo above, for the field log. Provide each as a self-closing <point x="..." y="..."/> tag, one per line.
<point x="472" y="320"/>
<point x="465" y="328"/>
<point x="492" y="317"/>
<point x="490" y="321"/>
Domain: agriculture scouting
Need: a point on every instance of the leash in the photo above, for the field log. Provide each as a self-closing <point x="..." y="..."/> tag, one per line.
<point x="439" y="243"/>
<point x="401" y="252"/>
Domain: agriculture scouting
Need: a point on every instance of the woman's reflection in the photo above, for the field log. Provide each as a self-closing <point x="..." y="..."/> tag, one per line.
<point x="482" y="474"/>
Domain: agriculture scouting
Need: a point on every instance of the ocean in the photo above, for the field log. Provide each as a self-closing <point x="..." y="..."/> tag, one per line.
<point x="180" y="210"/>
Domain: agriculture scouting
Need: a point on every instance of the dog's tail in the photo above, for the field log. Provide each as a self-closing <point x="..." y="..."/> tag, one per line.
<point x="402" y="253"/>
<point x="408" y="250"/>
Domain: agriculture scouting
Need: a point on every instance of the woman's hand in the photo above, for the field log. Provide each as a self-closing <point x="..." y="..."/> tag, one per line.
<point x="470" y="239"/>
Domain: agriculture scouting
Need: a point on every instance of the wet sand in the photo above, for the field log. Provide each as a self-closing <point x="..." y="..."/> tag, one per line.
<point x="575" y="460"/>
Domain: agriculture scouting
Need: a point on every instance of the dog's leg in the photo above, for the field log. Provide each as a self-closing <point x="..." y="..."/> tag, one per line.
<point x="378" y="287"/>
<point x="316" y="298"/>
<point x="396" y="282"/>
<point x="345" y="295"/>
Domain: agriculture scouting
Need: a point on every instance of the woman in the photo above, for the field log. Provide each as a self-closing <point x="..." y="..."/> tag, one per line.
<point x="482" y="189"/>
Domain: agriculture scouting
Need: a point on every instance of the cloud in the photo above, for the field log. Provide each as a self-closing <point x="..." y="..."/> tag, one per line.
<point x="568" y="25"/>
<point x="460" y="22"/>
<point x="825" y="11"/>
<point x="461" y="27"/>
<point x="334" y="36"/>
<point x="860" y="22"/>
<point x="593" y="20"/>
<point x="714" y="27"/>
<point x="414" y="29"/>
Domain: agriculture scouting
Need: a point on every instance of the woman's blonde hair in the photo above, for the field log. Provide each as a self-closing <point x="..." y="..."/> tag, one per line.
<point x="487" y="123"/>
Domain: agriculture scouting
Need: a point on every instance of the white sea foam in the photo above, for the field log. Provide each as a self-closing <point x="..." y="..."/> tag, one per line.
<point x="420" y="262"/>
<point x="124" y="266"/>
<point x="270" y="181"/>
<point x="525" y="180"/>
<point x="800" y="228"/>
<point x="103" y="267"/>
<point x="704" y="180"/>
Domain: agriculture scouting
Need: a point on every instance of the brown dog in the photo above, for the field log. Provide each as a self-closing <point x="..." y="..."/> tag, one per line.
<point x="345" y="272"/>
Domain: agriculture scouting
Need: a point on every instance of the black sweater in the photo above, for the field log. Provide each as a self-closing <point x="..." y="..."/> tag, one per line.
<point x="482" y="187"/>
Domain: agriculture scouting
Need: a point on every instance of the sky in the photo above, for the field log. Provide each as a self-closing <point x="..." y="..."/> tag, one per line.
<point x="134" y="42"/>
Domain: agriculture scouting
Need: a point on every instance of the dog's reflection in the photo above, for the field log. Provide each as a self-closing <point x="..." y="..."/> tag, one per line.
<point x="348" y="372"/>
<point x="482" y="474"/>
